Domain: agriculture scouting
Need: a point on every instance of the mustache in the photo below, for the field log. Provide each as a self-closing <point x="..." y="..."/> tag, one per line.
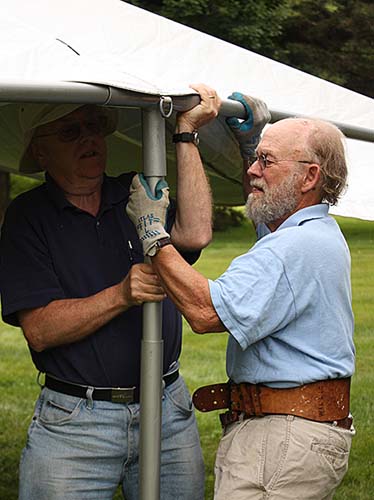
<point x="258" y="184"/>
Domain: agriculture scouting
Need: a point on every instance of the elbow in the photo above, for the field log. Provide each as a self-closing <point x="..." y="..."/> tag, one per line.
<point x="201" y="323"/>
<point x="199" y="328"/>
<point x="34" y="340"/>
<point x="194" y="239"/>
<point x="201" y="240"/>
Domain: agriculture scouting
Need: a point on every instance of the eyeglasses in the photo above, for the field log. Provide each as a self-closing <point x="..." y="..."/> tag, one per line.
<point x="73" y="131"/>
<point x="264" y="161"/>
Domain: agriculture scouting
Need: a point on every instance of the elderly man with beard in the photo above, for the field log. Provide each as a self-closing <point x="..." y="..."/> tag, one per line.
<point x="286" y="305"/>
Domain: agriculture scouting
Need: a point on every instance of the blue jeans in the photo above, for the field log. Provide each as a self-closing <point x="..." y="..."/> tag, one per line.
<point x="82" y="449"/>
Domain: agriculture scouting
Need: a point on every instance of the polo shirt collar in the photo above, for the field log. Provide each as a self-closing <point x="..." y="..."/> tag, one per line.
<point x="314" y="212"/>
<point x="113" y="192"/>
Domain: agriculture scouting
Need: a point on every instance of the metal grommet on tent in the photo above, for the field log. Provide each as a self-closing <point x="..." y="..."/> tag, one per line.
<point x="166" y="103"/>
<point x="109" y="98"/>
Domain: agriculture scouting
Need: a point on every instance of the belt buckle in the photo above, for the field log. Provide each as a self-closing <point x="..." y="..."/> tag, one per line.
<point x="119" y="395"/>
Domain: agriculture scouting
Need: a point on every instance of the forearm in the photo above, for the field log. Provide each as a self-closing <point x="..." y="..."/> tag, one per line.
<point x="193" y="224"/>
<point x="70" y="320"/>
<point x="188" y="289"/>
<point x="67" y="321"/>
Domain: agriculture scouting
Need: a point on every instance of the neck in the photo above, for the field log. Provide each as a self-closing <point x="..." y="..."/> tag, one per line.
<point x="85" y="195"/>
<point x="273" y="226"/>
<point x="89" y="202"/>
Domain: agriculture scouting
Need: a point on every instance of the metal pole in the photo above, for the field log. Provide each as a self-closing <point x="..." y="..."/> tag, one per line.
<point x="154" y="165"/>
<point x="235" y="108"/>
<point x="72" y="92"/>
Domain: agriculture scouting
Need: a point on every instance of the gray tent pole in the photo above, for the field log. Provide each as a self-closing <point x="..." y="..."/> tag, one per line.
<point x="154" y="165"/>
<point x="71" y="92"/>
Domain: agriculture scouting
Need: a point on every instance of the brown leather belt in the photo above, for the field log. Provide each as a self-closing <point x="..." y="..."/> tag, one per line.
<point x="323" y="401"/>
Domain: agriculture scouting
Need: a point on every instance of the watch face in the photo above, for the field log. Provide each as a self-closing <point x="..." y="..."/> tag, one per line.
<point x="196" y="139"/>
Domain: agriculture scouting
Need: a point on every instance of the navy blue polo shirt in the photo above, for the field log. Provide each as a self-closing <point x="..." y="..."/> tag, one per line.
<point x="52" y="250"/>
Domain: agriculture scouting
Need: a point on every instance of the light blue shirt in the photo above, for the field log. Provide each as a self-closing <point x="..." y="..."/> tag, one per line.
<point x="287" y="304"/>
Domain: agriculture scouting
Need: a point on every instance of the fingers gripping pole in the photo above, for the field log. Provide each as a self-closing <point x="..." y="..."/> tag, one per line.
<point x="154" y="164"/>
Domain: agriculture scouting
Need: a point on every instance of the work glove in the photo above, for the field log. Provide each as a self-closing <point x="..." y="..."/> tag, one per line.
<point x="248" y="132"/>
<point x="148" y="212"/>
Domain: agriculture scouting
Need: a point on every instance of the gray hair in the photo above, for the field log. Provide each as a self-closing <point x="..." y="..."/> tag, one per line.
<point x="326" y="145"/>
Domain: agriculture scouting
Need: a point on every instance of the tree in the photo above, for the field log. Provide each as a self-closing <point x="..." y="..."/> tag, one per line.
<point x="332" y="39"/>
<point x="253" y="24"/>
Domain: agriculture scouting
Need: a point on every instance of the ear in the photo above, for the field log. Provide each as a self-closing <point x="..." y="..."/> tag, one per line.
<point x="37" y="153"/>
<point x="311" y="178"/>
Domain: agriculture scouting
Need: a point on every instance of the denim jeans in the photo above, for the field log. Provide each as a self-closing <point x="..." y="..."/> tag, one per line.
<point x="82" y="449"/>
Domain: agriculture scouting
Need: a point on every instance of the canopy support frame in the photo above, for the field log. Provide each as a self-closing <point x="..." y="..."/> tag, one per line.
<point x="151" y="383"/>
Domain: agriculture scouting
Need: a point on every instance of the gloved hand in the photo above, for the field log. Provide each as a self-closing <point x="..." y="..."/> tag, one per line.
<point x="248" y="132"/>
<point x="148" y="211"/>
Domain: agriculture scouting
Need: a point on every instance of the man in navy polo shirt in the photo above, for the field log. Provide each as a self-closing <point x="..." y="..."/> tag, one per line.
<point x="287" y="307"/>
<point x="72" y="276"/>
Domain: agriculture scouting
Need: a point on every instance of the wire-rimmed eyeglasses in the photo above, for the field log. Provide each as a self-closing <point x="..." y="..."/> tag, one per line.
<point x="265" y="162"/>
<point x="73" y="131"/>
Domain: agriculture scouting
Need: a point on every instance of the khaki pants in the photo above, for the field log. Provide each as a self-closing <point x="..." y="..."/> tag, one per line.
<point x="281" y="457"/>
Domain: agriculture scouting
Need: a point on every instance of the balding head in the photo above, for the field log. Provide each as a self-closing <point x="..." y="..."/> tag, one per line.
<point x="317" y="141"/>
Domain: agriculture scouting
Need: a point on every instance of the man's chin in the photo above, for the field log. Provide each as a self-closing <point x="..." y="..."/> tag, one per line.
<point x="92" y="171"/>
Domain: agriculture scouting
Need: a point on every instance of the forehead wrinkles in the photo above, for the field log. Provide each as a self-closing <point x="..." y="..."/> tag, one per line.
<point x="288" y="137"/>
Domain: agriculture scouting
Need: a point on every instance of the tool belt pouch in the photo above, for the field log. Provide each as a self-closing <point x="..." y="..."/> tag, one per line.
<point x="212" y="397"/>
<point x="322" y="401"/>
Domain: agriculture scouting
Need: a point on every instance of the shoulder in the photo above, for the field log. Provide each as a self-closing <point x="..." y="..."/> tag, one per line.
<point x="28" y="203"/>
<point x="314" y="240"/>
<point x="124" y="179"/>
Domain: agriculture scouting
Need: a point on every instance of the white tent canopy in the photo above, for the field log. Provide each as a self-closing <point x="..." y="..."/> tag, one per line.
<point x="45" y="45"/>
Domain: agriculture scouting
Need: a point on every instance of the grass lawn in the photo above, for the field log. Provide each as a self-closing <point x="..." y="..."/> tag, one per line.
<point x="203" y="362"/>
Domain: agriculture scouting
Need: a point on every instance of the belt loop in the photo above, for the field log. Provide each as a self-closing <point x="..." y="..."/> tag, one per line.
<point x="38" y="380"/>
<point x="89" y="393"/>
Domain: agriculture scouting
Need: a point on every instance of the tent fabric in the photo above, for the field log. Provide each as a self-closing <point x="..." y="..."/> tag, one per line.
<point x="114" y="43"/>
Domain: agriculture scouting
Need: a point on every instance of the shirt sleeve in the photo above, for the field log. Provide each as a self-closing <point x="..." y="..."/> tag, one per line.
<point x="253" y="298"/>
<point x="27" y="277"/>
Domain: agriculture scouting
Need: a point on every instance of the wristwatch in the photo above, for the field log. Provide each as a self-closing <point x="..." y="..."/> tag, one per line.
<point x="187" y="137"/>
<point x="159" y="244"/>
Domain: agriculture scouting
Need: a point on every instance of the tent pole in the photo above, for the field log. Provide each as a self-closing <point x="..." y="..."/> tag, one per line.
<point x="71" y="92"/>
<point x="154" y="165"/>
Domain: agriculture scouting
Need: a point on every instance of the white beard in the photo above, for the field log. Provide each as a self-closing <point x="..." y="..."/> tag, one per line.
<point x="275" y="202"/>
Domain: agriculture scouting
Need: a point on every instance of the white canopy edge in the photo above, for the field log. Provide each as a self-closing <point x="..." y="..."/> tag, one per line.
<point x="77" y="48"/>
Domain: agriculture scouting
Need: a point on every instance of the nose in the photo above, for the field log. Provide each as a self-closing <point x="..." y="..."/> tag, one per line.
<point x="85" y="132"/>
<point x="254" y="169"/>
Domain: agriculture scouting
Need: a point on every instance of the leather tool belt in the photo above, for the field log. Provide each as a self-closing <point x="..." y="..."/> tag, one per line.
<point x="323" y="401"/>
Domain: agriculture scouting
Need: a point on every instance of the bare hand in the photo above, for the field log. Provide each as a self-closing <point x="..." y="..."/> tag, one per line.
<point x="142" y="285"/>
<point x="201" y="114"/>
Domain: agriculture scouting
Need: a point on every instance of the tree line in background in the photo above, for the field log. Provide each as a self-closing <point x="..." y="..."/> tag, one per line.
<point x="332" y="39"/>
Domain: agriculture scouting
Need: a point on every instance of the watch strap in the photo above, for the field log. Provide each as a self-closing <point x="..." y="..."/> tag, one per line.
<point x="159" y="244"/>
<point x="187" y="137"/>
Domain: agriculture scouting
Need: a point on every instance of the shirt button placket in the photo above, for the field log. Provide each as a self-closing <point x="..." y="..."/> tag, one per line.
<point x="99" y="232"/>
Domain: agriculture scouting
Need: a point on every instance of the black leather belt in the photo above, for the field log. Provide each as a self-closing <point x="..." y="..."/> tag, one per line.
<point x="114" y="394"/>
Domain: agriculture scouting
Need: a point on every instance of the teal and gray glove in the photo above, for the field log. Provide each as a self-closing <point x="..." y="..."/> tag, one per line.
<point x="248" y="132"/>
<point x="148" y="212"/>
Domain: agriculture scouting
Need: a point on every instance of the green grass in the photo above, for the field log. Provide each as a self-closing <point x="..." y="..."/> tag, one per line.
<point x="203" y="362"/>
